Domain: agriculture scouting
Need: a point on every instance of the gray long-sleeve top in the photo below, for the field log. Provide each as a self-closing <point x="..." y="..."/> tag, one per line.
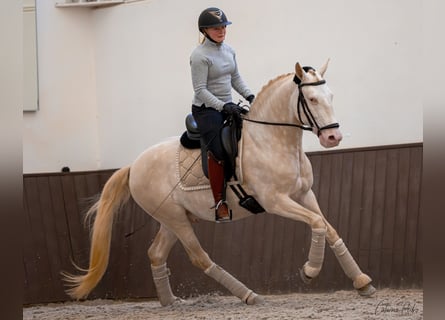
<point x="214" y="74"/>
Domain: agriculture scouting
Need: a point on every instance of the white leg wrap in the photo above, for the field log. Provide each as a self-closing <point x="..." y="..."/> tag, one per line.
<point x="316" y="253"/>
<point x="232" y="284"/>
<point x="162" y="284"/>
<point x="349" y="265"/>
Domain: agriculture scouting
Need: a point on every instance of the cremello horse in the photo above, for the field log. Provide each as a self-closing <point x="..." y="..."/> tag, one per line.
<point x="271" y="166"/>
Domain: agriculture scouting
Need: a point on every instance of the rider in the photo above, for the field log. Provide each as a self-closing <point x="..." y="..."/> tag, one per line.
<point x="214" y="72"/>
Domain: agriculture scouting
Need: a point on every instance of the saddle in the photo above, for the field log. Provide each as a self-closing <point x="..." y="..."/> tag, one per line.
<point x="230" y="135"/>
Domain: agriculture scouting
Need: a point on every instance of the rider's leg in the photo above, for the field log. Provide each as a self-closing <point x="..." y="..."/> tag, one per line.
<point x="218" y="185"/>
<point x="210" y="122"/>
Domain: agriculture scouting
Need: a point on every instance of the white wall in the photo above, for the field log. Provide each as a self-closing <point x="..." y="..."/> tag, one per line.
<point x="64" y="130"/>
<point x="116" y="80"/>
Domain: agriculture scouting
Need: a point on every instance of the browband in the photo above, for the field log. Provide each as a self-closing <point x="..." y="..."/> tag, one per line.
<point x="306" y="69"/>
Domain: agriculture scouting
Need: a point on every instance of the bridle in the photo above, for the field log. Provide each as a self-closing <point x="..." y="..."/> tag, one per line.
<point x="302" y="106"/>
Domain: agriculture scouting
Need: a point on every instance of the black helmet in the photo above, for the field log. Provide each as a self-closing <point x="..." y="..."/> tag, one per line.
<point x="212" y="17"/>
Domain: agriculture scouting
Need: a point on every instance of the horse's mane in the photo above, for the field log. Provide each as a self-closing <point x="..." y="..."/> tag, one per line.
<point x="262" y="94"/>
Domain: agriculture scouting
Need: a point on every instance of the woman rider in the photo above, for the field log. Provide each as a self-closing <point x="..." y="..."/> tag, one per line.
<point x="214" y="73"/>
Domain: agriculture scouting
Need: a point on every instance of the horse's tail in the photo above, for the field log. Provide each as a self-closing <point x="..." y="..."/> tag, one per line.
<point x="115" y="194"/>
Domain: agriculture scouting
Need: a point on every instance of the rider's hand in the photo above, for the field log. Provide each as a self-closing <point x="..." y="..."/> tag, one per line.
<point x="232" y="108"/>
<point x="250" y="98"/>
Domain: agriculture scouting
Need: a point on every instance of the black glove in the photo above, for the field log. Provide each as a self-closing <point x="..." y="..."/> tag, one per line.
<point x="250" y="98"/>
<point x="232" y="108"/>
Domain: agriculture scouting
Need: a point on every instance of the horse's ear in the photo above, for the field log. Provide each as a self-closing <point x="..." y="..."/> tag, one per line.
<point x="299" y="71"/>
<point x="323" y="68"/>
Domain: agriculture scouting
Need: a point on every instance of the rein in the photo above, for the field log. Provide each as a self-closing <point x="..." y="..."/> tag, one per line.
<point x="302" y="105"/>
<point x="282" y="124"/>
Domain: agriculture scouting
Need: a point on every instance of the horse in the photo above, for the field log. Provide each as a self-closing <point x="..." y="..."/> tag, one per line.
<point x="270" y="158"/>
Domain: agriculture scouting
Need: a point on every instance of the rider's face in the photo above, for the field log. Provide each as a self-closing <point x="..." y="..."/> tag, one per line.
<point x="217" y="34"/>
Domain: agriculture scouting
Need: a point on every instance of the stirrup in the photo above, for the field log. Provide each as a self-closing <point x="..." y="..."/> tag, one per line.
<point x="225" y="218"/>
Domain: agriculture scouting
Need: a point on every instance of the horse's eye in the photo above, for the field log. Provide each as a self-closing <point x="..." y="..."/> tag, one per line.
<point x="313" y="100"/>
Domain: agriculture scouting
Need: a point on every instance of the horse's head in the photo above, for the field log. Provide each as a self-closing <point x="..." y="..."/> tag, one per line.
<point x="314" y="104"/>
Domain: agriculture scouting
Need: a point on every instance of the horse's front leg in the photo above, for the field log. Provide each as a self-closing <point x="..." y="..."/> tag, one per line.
<point x="360" y="280"/>
<point x="286" y="207"/>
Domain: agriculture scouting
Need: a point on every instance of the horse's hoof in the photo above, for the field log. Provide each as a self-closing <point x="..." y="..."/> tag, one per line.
<point x="178" y="300"/>
<point x="172" y="301"/>
<point x="304" y="277"/>
<point x="367" y="290"/>
<point x="254" y="299"/>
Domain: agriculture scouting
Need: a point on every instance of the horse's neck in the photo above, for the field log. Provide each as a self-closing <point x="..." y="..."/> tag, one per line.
<point x="273" y="100"/>
<point x="272" y="105"/>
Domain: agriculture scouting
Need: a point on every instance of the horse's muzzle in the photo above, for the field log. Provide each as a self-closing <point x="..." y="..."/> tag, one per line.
<point x="330" y="137"/>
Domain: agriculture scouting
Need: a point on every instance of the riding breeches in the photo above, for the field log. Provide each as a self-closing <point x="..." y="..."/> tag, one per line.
<point x="209" y="123"/>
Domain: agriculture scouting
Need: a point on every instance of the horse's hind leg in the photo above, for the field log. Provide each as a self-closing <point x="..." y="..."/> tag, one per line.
<point x="233" y="285"/>
<point x="200" y="259"/>
<point x="183" y="230"/>
<point x="158" y="253"/>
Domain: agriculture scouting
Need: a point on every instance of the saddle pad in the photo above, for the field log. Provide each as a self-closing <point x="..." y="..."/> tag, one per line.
<point x="189" y="170"/>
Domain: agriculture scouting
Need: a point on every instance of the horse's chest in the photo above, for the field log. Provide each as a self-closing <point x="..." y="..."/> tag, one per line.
<point x="304" y="178"/>
<point x="304" y="184"/>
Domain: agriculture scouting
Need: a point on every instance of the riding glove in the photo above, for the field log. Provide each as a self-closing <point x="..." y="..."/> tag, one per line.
<point x="250" y="98"/>
<point x="232" y="108"/>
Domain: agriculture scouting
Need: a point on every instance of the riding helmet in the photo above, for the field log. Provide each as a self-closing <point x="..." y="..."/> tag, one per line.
<point x="212" y="17"/>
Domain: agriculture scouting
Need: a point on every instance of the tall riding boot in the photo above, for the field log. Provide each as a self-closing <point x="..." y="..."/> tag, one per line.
<point x="217" y="182"/>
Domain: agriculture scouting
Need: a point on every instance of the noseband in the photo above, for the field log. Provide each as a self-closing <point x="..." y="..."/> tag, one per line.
<point x="302" y="105"/>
